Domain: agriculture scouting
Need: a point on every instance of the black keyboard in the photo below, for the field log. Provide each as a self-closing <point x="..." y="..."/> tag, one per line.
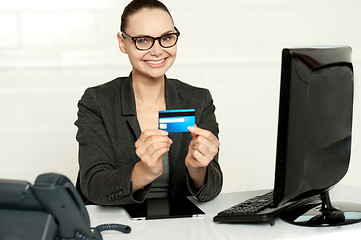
<point x="259" y="209"/>
<point x="251" y="206"/>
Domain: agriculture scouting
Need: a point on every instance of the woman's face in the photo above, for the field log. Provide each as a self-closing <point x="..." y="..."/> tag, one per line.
<point x="154" y="62"/>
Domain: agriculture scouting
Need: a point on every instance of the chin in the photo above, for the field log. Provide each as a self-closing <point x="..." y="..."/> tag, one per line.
<point x="156" y="75"/>
<point x="157" y="72"/>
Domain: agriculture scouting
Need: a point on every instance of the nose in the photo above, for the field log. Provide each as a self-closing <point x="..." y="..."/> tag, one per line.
<point x="157" y="49"/>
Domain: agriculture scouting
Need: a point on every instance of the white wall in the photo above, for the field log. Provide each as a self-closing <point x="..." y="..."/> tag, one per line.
<point x="51" y="51"/>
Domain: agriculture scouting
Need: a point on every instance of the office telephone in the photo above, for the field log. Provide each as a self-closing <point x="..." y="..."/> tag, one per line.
<point x="51" y="208"/>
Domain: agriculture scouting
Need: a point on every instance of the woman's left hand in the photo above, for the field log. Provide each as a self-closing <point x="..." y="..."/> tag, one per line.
<point x="201" y="151"/>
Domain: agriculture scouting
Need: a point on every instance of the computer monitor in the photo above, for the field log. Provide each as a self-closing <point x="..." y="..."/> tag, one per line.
<point x="314" y="133"/>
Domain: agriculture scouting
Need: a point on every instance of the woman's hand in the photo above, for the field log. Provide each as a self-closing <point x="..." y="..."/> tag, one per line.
<point x="150" y="147"/>
<point x="201" y="151"/>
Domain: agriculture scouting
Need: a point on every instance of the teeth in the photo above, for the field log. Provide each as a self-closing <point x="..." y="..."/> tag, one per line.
<point x="156" y="62"/>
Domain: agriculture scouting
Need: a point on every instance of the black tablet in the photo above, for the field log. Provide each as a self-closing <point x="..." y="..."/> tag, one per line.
<point x="159" y="208"/>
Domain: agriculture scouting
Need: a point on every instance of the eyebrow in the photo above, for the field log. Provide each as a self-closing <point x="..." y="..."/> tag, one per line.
<point x="165" y="33"/>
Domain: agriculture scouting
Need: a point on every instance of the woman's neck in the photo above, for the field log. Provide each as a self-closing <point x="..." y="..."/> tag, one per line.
<point x="149" y="92"/>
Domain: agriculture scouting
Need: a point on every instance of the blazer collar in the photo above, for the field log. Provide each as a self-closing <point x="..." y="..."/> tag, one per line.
<point x="127" y="97"/>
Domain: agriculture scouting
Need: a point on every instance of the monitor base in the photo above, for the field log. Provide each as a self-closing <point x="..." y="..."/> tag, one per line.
<point x="323" y="213"/>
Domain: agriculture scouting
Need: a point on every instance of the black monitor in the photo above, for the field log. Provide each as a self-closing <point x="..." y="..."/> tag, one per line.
<point x="314" y="133"/>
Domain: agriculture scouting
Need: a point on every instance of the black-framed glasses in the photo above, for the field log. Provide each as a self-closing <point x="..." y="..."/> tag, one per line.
<point x="144" y="43"/>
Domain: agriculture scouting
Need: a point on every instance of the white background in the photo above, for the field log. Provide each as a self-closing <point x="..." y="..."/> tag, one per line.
<point x="51" y="51"/>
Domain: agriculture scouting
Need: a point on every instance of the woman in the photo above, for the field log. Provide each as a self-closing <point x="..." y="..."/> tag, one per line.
<point x="123" y="157"/>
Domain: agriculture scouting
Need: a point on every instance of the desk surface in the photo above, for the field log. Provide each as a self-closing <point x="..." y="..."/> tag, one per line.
<point x="205" y="228"/>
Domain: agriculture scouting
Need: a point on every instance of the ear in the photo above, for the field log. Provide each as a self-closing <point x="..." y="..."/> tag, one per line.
<point x="121" y="43"/>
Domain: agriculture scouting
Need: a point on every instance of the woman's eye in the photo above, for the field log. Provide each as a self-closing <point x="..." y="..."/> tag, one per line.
<point x="166" y="38"/>
<point x="143" y="41"/>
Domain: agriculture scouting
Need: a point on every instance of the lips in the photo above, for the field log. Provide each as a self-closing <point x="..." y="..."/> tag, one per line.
<point x="156" y="63"/>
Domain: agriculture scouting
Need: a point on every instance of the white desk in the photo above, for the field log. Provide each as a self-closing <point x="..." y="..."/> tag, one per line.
<point x="205" y="228"/>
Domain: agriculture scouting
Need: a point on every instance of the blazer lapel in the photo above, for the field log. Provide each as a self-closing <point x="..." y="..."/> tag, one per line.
<point x="128" y="105"/>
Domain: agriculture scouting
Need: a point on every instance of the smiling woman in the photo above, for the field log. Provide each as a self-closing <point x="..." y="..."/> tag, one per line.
<point x="123" y="156"/>
<point x="148" y="58"/>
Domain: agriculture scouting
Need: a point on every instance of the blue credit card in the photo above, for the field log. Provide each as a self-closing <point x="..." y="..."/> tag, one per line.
<point x="176" y="120"/>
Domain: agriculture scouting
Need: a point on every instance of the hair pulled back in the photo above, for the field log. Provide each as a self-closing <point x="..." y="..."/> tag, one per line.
<point x="137" y="5"/>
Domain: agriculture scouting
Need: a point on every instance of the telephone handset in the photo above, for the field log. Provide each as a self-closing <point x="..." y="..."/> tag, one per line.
<point x="57" y="196"/>
<point x="52" y="200"/>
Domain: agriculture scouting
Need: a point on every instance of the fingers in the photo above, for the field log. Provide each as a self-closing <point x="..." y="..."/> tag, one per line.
<point x="199" y="160"/>
<point x="152" y="152"/>
<point x="196" y="131"/>
<point x="150" y="146"/>
<point x="153" y="139"/>
<point x="204" y="141"/>
<point x="146" y="134"/>
<point x="202" y="149"/>
<point x="205" y="147"/>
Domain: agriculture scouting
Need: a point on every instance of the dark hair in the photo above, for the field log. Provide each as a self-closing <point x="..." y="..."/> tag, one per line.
<point x="137" y="5"/>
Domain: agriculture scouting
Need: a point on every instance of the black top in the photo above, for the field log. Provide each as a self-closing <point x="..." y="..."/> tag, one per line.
<point x="108" y="128"/>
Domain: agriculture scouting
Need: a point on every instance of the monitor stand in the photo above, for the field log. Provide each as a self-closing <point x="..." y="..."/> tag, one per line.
<point x="323" y="213"/>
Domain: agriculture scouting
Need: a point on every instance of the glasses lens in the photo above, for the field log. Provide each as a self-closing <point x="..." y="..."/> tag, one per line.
<point x="168" y="40"/>
<point x="144" y="43"/>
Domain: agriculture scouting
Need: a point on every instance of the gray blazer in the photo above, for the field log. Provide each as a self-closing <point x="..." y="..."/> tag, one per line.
<point x="108" y="128"/>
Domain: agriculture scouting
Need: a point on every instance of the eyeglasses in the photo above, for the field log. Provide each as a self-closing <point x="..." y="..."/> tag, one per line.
<point x="144" y="43"/>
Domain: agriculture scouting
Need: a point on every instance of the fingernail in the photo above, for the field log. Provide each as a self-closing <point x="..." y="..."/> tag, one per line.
<point x="164" y="133"/>
<point x="191" y="128"/>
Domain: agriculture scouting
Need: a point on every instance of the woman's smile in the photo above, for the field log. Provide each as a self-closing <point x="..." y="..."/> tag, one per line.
<point x="156" y="63"/>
